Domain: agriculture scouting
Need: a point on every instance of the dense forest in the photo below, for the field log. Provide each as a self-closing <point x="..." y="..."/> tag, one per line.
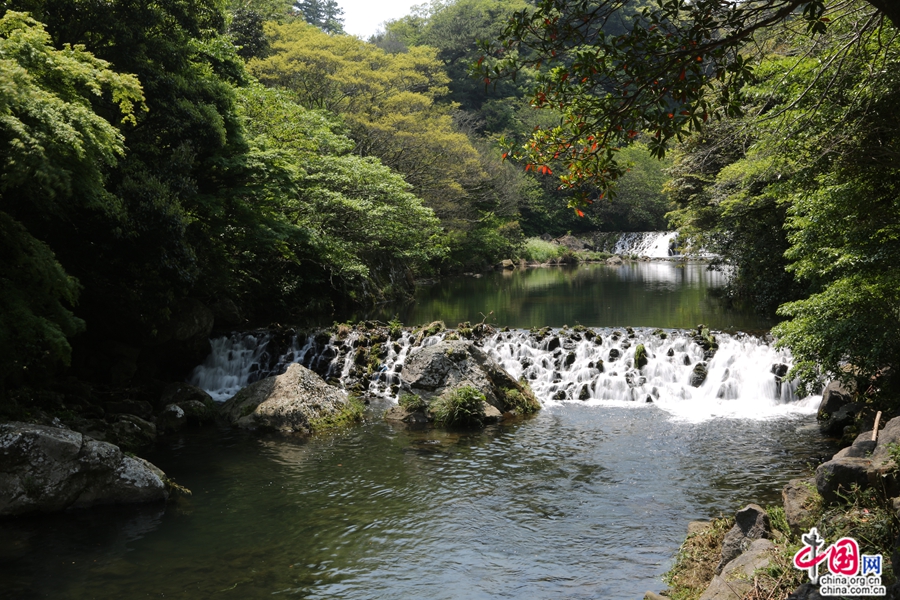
<point x="252" y="157"/>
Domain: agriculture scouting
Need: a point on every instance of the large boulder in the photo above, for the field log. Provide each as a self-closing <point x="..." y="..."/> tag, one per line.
<point x="834" y="397"/>
<point x="45" y="469"/>
<point x="449" y="365"/>
<point x="297" y="401"/>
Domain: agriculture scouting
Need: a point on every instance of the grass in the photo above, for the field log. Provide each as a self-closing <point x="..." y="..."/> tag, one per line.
<point x="463" y="407"/>
<point x="696" y="561"/>
<point x="412" y="402"/>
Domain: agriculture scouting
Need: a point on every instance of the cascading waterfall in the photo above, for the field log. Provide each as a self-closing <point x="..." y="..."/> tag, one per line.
<point x="742" y="376"/>
<point x="654" y="244"/>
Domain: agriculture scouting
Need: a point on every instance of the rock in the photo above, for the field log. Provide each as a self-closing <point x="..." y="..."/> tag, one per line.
<point x="448" y="365"/>
<point x="698" y="375"/>
<point x="296" y="401"/>
<point x="751" y="523"/>
<point x="833" y="398"/>
<point x="887" y="437"/>
<point x="843" y="417"/>
<point x="507" y="264"/>
<point x="46" y="469"/>
<point x="796" y="497"/>
<point x="736" y="578"/>
<point x="138" y="408"/>
<point x="862" y="447"/>
<point x="615" y="261"/>
<point x="398" y="413"/>
<point x="653" y="596"/>
<point x="131" y="433"/>
<point x="171" y="419"/>
<point x="180" y="392"/>
<point x="839" y="475"/>
<point x="807" y="591"/>
<point x="226" y="312"/>
<point x="197" y="413"/>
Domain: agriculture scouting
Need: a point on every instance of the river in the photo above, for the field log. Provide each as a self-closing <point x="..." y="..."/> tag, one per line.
<point x="589" y="499"/>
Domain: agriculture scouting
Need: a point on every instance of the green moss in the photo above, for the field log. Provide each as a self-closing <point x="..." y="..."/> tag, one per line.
<point x="395" y="328"/>
<point x="463" y="407"/>
<point x="248" y="409"/>
<point x="521" y="402"/>
<point x="640" y="356"/>
<point x="433" y="328"/>
<point x="351" y="413"/>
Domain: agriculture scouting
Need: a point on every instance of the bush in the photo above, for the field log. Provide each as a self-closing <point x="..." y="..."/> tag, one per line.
<point x="412" y="402"/>
<point x="463" y="407"/>
<point x="537" y="250"/>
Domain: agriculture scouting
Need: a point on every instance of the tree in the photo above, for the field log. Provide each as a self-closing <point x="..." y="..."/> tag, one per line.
<point x="678" y="63"/>
<point x="324" y="14"/>
<point x="54" y="157"/>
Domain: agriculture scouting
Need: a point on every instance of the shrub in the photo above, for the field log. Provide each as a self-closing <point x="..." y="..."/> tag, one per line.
<point x="412" y="402"/>
<point x="463" y="407"/>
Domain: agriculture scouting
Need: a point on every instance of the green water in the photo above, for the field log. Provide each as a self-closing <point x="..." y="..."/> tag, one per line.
<point x="638" y="294"/>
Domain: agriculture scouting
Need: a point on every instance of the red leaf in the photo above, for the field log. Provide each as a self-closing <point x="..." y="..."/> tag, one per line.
<point x="580" y="213"/>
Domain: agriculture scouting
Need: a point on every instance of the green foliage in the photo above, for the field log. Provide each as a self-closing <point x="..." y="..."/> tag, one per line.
<point x="324" y="14"/>
<point x="35" y="299"/>
<point x="412" y="402"/>
<point x="521" y="402"/>
<point x="463" y="407"/>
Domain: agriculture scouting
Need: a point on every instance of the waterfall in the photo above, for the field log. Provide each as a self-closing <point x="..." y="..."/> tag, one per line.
<point x="743" y="375"/>
<point x="655" y="244"/>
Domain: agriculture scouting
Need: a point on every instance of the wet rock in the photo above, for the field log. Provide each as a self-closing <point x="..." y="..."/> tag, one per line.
<point x="615" y="261"/>
<point x="570" y="359"/>
<point x="736" y="578"/>
<point x="614" y="354"/>
<point x="46" y="469"/>
<point x="138" y="408"/>
<point x="797" y="497"/>
<point x="751" y="523"/>
<point x="417" y="418"/>
<point x="441" y="368"/>
<point x="296" y="401"/>
<point x="698" y="375"/>
<point x="553" y="343"/>
<point x="863" y="446"/>
<point x="843" y="417"/>
<point x="171" y="419"/>
<point x="130" y="432"/>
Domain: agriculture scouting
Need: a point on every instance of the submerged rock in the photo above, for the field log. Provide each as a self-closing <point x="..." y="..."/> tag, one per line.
<point x="46" y="469"/>
<point x="296" y="401"/>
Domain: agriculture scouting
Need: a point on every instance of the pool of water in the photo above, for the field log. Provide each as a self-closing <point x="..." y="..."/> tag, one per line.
<point x="637" y="294"/>
<point x="587" y="499"/>
<point x="577" y="502"/>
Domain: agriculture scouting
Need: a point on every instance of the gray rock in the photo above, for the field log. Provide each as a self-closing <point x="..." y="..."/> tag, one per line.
<point x="172" y="418"/>
<point x="834" y="397"/>
<point x="398" y="413"/>
<point x="796" y="497"/>
<point x="448" y="365"/>
<point x="139" y="408"/>
<point x="807" y="591"/>
<point x="887" y="437"/>
<point x="862" y="447"/>
<point x="46" y="469"/>
<point x="507" y="264"/>
<point x="291" y="402"/>
<point x="131" y="432"/>
<point x="179" y="392"/>
<point x="736" y="578"/>
<point x="197" y="412"/>
<point x="839" y="475"/>
<point x="615" y="261"/>
<point x="653" y="596"/>
<point x="751" y="523"/>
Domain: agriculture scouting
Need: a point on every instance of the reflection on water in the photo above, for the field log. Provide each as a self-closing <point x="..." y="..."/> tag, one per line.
<point x="638" y="294"/>
<point x="578" y="502"/>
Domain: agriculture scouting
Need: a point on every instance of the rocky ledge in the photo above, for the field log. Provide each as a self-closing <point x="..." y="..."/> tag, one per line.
<point x="45" y="469"/>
